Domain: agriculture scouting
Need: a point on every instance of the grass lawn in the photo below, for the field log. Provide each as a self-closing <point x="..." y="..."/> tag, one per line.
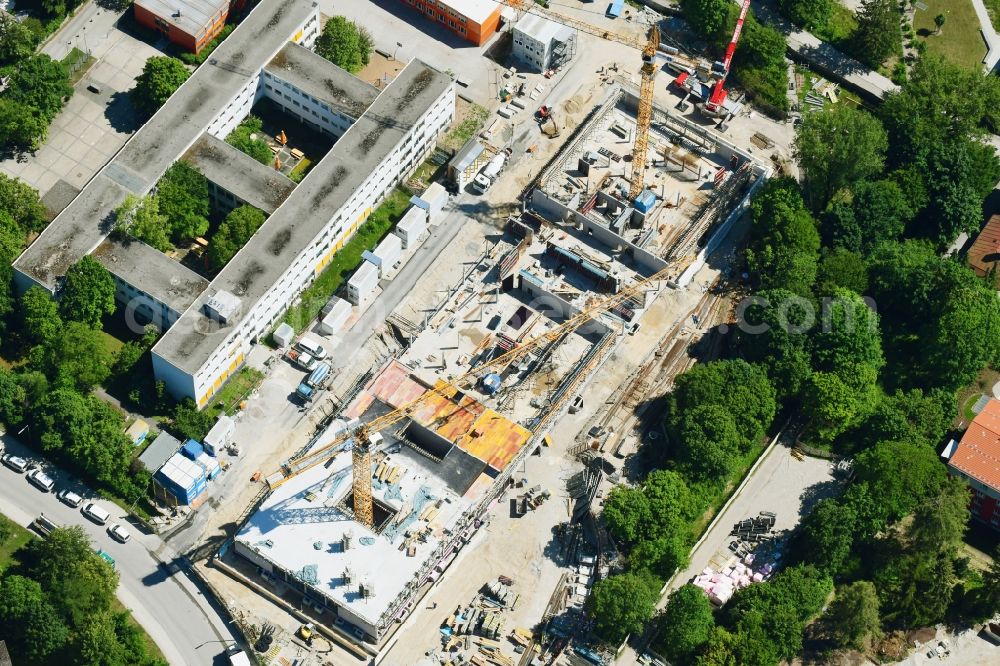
<point x="12" y="538"/>
<point x="348" y="258"/>
<point x="465" y="129"/>
<point x="967" y="396"/>
<point x="959" y="41"/>
<point x="843" y="96"/>
<point x="152" y="649"/>
<point x="236" y="389"/>
<point x="77" y="63"/>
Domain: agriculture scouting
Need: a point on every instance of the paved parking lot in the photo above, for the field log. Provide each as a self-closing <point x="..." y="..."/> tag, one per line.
<point x="91" y="127"/>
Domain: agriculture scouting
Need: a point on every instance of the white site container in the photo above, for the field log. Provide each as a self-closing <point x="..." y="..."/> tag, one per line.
<point x="283" y="335"/>
<point x="335" y="318"/>
<point x="389" y="252"/>
<point x="412" y="226"/>
<point x="432" y="200"/>
<point x="220" y="435"/>
<point x="361" y="287"/>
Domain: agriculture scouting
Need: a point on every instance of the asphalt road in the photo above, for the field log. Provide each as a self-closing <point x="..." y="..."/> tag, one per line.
<point x="160" y="595"/>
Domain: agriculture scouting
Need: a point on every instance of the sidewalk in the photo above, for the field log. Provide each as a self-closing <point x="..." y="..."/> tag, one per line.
<point x="989" y="36"/>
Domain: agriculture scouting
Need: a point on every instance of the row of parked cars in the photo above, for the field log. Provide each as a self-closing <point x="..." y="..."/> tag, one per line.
<point x="45" y="483"/>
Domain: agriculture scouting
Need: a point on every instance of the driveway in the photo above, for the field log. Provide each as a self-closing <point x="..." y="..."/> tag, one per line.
<point x="160" y="595"/>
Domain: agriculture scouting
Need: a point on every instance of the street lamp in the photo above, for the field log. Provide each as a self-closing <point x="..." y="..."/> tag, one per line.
<point x="399" y="45"/>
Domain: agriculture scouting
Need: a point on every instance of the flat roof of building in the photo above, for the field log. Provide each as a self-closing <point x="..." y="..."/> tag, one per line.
<point x="150" y="271"/>
<point x="477" y="10"/>
<point x="88" y="219"/>
<point x="193" y="17"/>
<point x="540" y="28"/>
<point x="304" y="214"/>
<point x="159" y="451"/>
<point x="243" y="176"/>
<point x="313" y="74"/>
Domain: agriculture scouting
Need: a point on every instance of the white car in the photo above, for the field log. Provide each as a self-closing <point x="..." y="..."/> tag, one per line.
<point x="95" y="513"/>
<point x="14" y="462"/>
<point x="41" y="480"/>
<point x="119" y="533"/>
<point x="69" y="497"/>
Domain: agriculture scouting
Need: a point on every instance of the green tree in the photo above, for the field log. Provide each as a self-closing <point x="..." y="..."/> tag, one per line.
<point x="837" y="148"/>
<point x="88" y="294"/>
<point x="709" y="18"/>
<point x="234" y="232"/>
<point x="849" y="336"/>
<point x="160" y="77"/>
<point x="879" y="212"/>
<point x="686" y="624"/>
<point x="190" y="423"/>
<point x="853" y="619"/>
<point x="940" y="521"/>
<point x="809" y="14"/>
<point x="783" y="252"/>
<point x="182" y="194"/>
<point x="28" y="622"/>
<point x="738" y="387"/>
<point x="670" y="500"/>
<point x="345" y="44"/>
<point x="12" y="399"/>
<point x="956" y="189"/>
<point x="663" y="555"/>
<point x="709" y="441"/>
<point x="246" y="138"/>
<point x="772" y="332"/>
<point x="41" y="83"/>
<point x="627" y="513"/>
<point x="718" y="650"/>
<point x="827" y="536"/>
<point x="878" y="35"/>
<point x="39" y="316"/>
<point x="939" y="23"/>
<point x="622" y="604"/>
<point x="16" y="41"/>
<point x="832" y="406"/>
<point x="140" y="217"/>
<point x="841" y="269"/>
<point x="897" y="476"/>
<point x="76" y="354"/>
<point x="21" y="127"/>
<point x="908" y="416"/>
<point x="21" y="202"/>
<point x="75" y="579"/>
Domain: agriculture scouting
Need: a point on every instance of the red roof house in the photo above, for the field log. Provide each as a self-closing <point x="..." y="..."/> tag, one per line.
<point x="976" y="458"/>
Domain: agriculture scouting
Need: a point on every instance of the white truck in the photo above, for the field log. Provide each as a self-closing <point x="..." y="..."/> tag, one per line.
<point x="490" y="172"/>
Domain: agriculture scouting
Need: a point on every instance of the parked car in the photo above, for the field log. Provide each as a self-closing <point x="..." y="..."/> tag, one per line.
<point x="14" y="462"/>
<point x="41" y="480"/>
<point x="119" y="533"/>
<point x="95" y="513"/>
<point x="69" y="497"/>
<point x="312" y="348"/>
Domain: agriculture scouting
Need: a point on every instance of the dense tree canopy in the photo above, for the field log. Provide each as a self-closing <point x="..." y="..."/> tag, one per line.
<point x="76" y="354"/>
<point x="809" y="14"/>
<point x="685" y="624"/>
<point x="247" y="138"/>
<point x="709" y="441"/>
<point x="709" y="18"/>
<point x="622" y="604"/>
<point x="40" y="83"/>
<point x="345" y="43"/>
<point x="837" y="148"/>
<point x="88" y="294"/>
<point x="182" y="194"/>
<point x="140" y="217"/>
<point x="39" y="316"/>
<point x="784" y="242"/>
<point x="234" y="232"/>
<point x="853" y="618"/>
<point x="878" y="35"/>
<point x="898" y="476"/>
<point x="160" y="77"/>
<point x="21" y="202"/>
<point x="17" y="42"/>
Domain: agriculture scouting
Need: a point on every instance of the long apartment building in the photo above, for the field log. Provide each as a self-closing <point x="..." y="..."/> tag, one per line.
<point x="381" y="136"/>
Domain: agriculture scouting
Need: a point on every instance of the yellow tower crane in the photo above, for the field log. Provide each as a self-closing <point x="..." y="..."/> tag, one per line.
<point x="649" y="49"/>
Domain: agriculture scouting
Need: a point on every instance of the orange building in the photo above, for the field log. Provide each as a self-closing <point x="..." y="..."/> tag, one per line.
<point x="474" y="20"/>
<point x="190" y="24"/>
<point x="976" y="458"/>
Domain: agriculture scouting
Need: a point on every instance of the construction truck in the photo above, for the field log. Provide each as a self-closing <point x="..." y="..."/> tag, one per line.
<point x="490" y="173"/>
<point x="312" y="384"/>
<point x="301" y="359"/>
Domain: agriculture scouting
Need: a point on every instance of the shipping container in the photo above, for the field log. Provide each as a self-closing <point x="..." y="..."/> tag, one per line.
<point x="334" y="319"/>
<point x="220" y="435"/>
<point x="361" y="287"/>
<point x="412" y="226"/>
<point x="389" y="252"/>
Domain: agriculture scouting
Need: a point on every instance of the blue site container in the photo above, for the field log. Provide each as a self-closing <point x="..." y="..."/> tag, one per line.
<point x="615" y="8"/>
<point x="192" y="449"/>
<point x="645" y="201"/>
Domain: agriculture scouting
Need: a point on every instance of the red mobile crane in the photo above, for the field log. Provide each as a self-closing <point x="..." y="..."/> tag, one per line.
<point x="715" y="106"/>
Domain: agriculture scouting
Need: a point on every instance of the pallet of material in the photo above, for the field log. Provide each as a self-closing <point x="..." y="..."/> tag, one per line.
<point x="394" y="475"/>
<point x="379" y="471"/>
